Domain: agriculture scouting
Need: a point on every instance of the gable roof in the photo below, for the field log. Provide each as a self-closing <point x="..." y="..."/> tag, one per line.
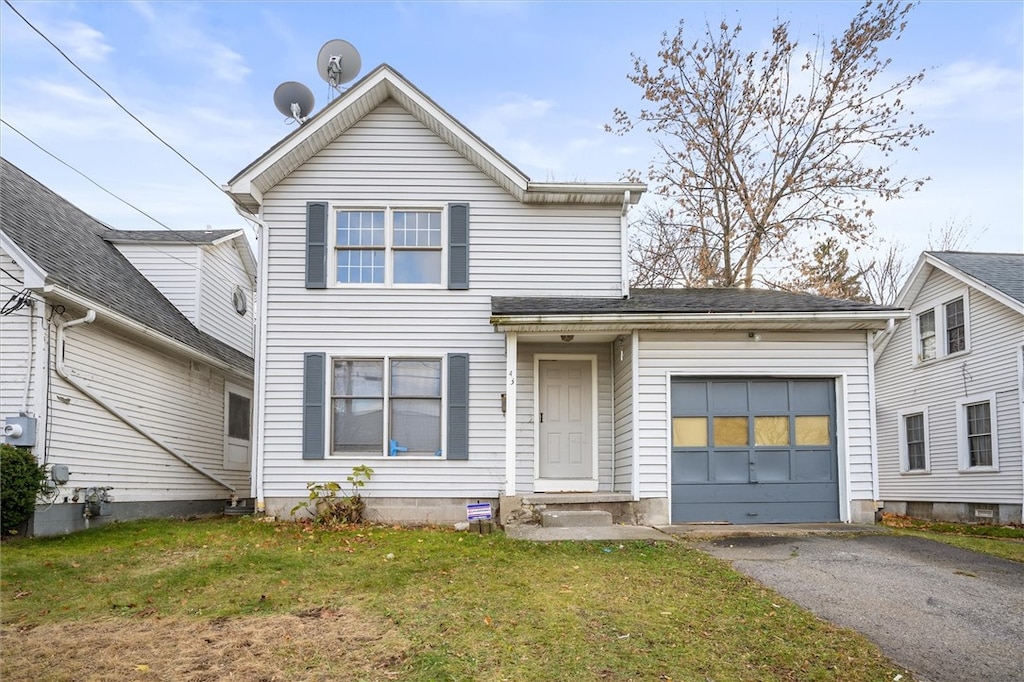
<point x="999" y="275"/>
<point x="690" y="308"/>
<point x="69" y="248"/>
<point x="193" y="237"/>
<point x="381" y="84"/>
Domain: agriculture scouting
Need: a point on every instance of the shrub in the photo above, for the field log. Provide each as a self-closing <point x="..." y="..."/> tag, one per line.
<point x="329" y="505"/>
<point x="21" y="479"/>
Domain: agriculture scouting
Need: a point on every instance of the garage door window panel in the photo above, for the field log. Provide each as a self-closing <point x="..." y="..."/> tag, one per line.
<point x="730" y="432"/>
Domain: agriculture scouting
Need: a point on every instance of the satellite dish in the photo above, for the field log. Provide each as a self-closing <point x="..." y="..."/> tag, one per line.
<point x="294" y="100"/>
<point x="338" y="62"/>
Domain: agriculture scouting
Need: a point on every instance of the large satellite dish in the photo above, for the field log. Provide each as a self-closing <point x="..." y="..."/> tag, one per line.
<point x="338" y="62"/>
<point x="294" y="100"/>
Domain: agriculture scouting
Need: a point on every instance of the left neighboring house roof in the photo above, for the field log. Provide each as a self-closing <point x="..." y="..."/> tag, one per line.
<point x="191" y="237"/>
<point x="71" y="247"/>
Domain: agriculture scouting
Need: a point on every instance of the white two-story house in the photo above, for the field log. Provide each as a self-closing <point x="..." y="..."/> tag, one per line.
<point x="949" y="391"/>
<point x="428" y="310"/>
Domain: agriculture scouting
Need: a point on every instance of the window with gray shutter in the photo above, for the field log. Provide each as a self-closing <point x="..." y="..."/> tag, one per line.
<point x="458" y="246"/>
<point x="458" y="406"/>
<point x="314" y="366"/>
<point x="316" y="245"/>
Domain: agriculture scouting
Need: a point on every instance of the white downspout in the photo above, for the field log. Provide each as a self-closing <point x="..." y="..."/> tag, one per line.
<point x="624" y="246"/>
<point x="260" y="365"/>
<point x="90" y="316"/>
<point x="511" y="358"/>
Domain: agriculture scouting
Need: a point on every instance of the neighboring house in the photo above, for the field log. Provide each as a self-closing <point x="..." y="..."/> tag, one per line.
<point x="428" y="310"/>
<point x="138" y="390"/>
<point x="949" y="391"/>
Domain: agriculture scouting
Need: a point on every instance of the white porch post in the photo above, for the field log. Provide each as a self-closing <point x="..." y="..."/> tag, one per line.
<point x="511" y="355"/>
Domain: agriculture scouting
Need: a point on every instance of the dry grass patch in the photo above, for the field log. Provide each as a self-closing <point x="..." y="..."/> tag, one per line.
<point x="317" y="644"/>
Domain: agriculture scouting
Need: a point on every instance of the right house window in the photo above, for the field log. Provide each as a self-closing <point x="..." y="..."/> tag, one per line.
<point x="978" y="447"/>
<point x="941" y="329"/>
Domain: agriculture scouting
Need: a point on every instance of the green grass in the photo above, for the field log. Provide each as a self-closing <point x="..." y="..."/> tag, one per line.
<point x="1005" y="542"/>
<point x="472" y="607"/>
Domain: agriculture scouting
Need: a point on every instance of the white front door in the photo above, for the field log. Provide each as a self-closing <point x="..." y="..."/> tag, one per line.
<point x="566" y="448"/>
<point x="237" y="427"/>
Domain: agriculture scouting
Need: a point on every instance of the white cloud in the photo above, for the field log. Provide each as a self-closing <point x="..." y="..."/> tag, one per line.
<point x="968" y="89"/>
<point x="81" y="41"/>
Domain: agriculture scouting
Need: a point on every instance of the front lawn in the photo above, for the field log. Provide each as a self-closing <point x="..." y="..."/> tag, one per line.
<point x="1005" y="542"/>
<point x="244" y="599"/>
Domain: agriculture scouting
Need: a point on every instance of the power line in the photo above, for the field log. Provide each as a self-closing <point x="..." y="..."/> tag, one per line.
<point x="115" y="101"/>
<point x="123" y="201"/>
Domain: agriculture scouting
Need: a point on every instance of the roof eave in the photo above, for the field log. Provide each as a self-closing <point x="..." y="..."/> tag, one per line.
<point x="59" y="293"/>
<point x="802" y="321"/>
<point x="34" y="276"/>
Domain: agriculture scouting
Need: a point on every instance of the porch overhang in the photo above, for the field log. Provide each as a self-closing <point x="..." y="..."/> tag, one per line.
<point x="761" y="321"/>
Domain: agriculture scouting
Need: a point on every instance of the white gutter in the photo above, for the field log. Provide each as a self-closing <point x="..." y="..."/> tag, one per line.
<point x="260" y="368"/>
<point x="158" y="338"/>
<point x="90" y="316"/>
<point x="872" y="420"/>
<point x="654" y="321"/>
<point x="624" y="246"/>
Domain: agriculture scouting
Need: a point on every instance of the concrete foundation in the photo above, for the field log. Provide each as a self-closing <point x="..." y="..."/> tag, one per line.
<point x="404" y="511"/>
<point x="863" y="511"/>
<point x="61" y="519"/>
<point x="999" y="514"/>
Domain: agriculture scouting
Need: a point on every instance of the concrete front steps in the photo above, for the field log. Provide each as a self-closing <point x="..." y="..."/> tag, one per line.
<point x="588" y="518"/>
<point x="567" y="510"/>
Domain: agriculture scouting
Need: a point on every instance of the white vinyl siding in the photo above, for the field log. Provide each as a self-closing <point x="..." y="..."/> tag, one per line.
<point x="173" y="269"/>
<point x="179" y="401"/>
<point x="17" y="389"/>
<point x="622" y="367"/>
<point x="995" y="336"/>
<point x="221" y="273"/>
<point x="842" y="356"/>
<point x="389" y="158"/>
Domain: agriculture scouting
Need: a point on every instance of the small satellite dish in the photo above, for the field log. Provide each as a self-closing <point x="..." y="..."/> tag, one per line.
<point x="294" y="100"/>
<point x="338" y="62"/>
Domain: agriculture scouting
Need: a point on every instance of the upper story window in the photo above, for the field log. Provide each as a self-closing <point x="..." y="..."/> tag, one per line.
<point x="940" y="329"/>
<point x="956" y="336"/>
<point x="388" y="246"/>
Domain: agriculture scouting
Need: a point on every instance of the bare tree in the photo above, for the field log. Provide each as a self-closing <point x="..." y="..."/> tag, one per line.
<point x="884" y="275"/>
<point x="760" y="153"/>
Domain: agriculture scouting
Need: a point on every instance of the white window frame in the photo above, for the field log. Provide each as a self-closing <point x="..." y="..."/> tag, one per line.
<point x="938" y="308"/>
<point x="383" y="452"/>
<point x="963" y="449"/>
<point x="904" y="450"/>
<point x="388" y="247"/>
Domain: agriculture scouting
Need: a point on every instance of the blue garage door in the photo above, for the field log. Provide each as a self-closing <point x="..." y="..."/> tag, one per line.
<point x="754" y="451"/>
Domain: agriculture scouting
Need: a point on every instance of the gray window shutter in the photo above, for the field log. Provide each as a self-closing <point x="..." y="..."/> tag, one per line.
<point x="458" y="406"/>
<point x="314" y="368"/>
<point x="316" y="245"/>
<point x="458" y="246"/>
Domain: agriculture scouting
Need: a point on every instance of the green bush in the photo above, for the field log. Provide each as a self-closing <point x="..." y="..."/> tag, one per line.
<point x="21" y="479"/>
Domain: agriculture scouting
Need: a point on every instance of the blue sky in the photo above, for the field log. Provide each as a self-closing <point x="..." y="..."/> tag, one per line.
<point x="536" y="80"/>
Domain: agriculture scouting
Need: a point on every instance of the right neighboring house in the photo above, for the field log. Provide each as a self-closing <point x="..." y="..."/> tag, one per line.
<point x="949" y="383"/>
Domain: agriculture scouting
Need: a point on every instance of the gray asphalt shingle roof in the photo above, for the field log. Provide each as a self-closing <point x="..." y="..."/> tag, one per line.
<point x="1002" y="271"/>
<point x="69" y="245"/>
<point x="680" y="301"/>
<point x="198" y="237"/>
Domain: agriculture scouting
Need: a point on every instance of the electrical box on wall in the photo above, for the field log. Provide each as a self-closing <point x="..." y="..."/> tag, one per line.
<point x="20" y="430"/>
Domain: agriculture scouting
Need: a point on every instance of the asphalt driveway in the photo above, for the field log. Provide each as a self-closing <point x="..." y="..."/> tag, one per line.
<point x="946" y="613"/>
